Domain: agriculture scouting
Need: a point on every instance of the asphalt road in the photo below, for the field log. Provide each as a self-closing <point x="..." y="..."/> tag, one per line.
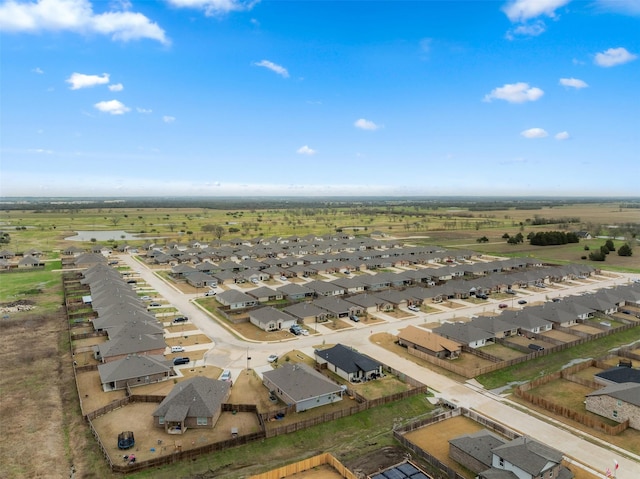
<point x="231" y="352"/>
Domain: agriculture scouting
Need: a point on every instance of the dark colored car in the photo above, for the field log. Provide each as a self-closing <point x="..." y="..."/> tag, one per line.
<point x="181" y="360"/>
<point x="522" y="301"/>
<point x="354" y="318"/>
<point x="181" y="319"/>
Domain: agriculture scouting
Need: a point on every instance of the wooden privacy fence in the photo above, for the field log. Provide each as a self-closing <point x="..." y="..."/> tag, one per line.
<point x="305" y="465"/>
<point x="522" y="391"/>
<point x="449" y="365"/>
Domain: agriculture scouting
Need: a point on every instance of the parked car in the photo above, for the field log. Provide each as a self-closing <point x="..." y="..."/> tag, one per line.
<point x="304" y="332"/>
<point x="181" y="360"/>
<point x="503" y="305"/>
<point x="177" y="349"/>
<point x="555" y="300"/>
<point x="354" y="318"/>
<point x="131" y="281"/>
<point x="522" y="301"/>
<point x="283" y="278"/>
<point x="510" y="291"/>
<point x="482" y="296"/>
<point x="226" y="375"/>
<point x="145" y="298"/>
<point x="254" y="280"/>
<point x="295" y="329"/>
<point x="413" y="308"/>
<point x="180" y="319"/>
<point x="154" y="304"/>
<point x="536" y="347"/>
<point x="210" y="293"/>
<point x="272" y="358"/>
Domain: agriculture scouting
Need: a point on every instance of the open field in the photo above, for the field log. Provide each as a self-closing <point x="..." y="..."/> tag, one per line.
<point x="46" y="229"/>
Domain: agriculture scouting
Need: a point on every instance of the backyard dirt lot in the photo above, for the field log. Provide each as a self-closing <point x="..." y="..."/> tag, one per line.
<point x="585" y="328"/>
<point x="560" y="336"/>
<point x="434" y="439"/>
<point x="152" y="441"/>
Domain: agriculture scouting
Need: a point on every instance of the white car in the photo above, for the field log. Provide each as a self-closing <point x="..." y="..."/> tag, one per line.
<point x="304" y="332"/>
<point x="226" y="375"/>
<point x="413" y="308"/>
<point x="272" y="358"/>
<point x="210" y="293"/>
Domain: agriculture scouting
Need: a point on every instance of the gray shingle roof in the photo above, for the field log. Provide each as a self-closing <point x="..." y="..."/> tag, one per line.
<point x="301" y="382"/>
<point x="529" y="455"/>
<point x="627" y="392"/>
<point x="195" y="397"/>
<point x="347" y="359"/>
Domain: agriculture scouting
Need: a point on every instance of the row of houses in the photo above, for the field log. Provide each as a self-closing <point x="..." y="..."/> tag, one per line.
<point x="133" y="353"/>
<point x="28" y="259"/>
<point x="447" y="340"/>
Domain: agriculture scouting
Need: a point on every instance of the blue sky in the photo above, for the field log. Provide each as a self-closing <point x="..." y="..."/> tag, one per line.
<point x="316" y="98"/>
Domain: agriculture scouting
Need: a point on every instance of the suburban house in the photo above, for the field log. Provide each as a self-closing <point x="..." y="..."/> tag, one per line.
<point x="465" y="334"/>
<point x="236" y="299"/>
<point x="500" y="329"/>
<point x="271" y="319"/>
<point x="302" y="386"/>
<point x="134" y="370"/>
<point x="430" y="343"/>
<point x="307" y="312"/>
<point x="193" y="403"/>
<point x="473" y="451"/>
<point x="337" y="307"/>
<point x="295" y="292"/>
<point x="492" y="457"/>
<point x="348" y="363"/>
<point x="618" y="402"/>
<point x="265" y="294"/>
<point x="122" y="345"/>
<point x="527" y="321"/>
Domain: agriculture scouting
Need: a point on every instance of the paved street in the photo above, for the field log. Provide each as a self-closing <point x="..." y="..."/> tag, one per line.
<point x="230" y="352"/>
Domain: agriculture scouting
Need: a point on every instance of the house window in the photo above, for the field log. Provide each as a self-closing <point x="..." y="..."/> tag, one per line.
<point x="201" y="421"/>
<point x="160" y="420"/>
<point x="551" y="473"/>
<point x="615" y="413"/>
<point x="619" y="402"/>
<point x="501" y="462"/>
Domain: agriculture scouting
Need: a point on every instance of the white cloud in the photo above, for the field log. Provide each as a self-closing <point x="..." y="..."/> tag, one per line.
<point x="41" y="151"/>
<point x="573" y="83"/>
<point x="77" y="16"/>
<point x="625" y="7"/>
<point x="37" y="70"/>
<point x="143" y="110"/>
<point x="519" y="11"/>
<point x="305" y="150"/>
<point x="168" y="119"/>
<point x="613" y="57"/>
<point x="215" y="7"/>
<point x="116" y="87"/>
<point x="114" y="107"/>
<point x="280" y="70"/>
<point x="80" y="80"/>
<point x="528" y="30"/>
<point x="515" y="93"/>
<point x="534" y="133"/>
<point x="563" y="135"/>
<point x="365" y="124"/>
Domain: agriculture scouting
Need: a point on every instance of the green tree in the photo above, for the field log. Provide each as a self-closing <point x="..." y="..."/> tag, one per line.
<point x="597" y="256"/>
<point x="610" y="246"/>
<point x="625" y="250"/>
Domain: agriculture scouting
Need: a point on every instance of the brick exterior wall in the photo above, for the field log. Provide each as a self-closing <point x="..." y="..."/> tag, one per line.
<point x="605" y="405"/>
